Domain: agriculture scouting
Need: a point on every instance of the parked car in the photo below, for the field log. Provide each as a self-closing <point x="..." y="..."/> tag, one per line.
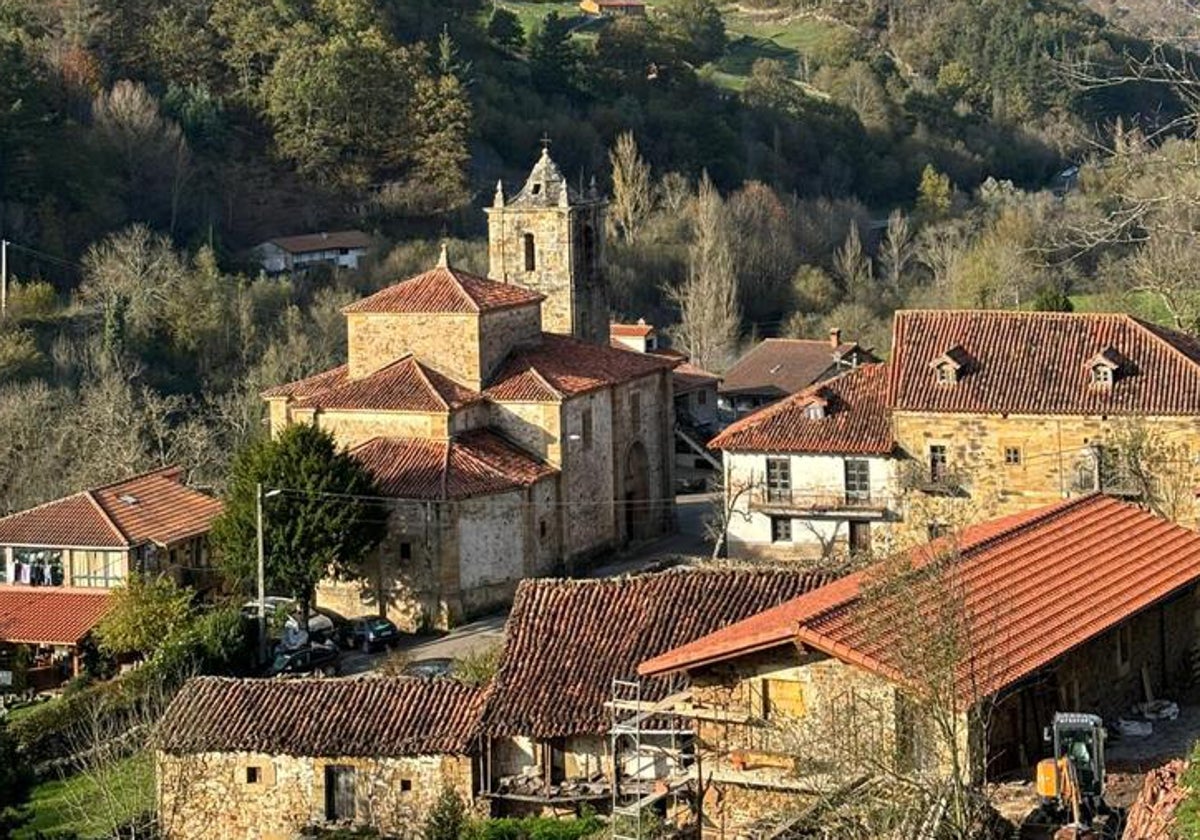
<point x="321" y="658"/>
<point x="320" y="625"/>
<point x="370" y="632"/>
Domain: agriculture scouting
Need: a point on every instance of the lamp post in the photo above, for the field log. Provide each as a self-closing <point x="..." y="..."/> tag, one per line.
<point x="262" y="570"/>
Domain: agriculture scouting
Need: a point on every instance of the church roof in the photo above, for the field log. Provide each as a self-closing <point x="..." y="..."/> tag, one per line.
<point x="404" y="385"/>
<point x="442" y="289"/>
<point x="476" y="463"/>
<point x="546" y="187"/>
<point x="560" y="366"/>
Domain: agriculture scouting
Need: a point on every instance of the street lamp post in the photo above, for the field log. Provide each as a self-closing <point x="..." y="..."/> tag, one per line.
<point x="262" y="569"/>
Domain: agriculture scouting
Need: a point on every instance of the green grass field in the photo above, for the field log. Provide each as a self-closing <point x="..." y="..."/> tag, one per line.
<point x="91" y="806"/>
<point x="1141" y="304"/>
<point x="531" y="14"/>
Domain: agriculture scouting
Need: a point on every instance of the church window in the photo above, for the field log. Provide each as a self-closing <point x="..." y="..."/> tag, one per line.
<point x="635" y="408"/>
<point x="405" y="551"/>
<point x="530" y="253"/>
<point x="589" y="245"/>
<point x="585" y="432"/>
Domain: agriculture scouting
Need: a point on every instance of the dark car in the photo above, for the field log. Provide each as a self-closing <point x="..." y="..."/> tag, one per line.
<point x="369" y="633"/>
<point x="322" y="659"/>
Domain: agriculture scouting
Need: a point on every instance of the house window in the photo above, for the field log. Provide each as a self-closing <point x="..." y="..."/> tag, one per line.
<point x="858" y="480"/>
<point x="937" y="463"/>
<point x="1124" y="647"/>
<point x="935" y="530"/>
<point x="585" y="428"/>
<point x="815" y="411"/>
<point x="405" y="551"/>
<point x="405" y="785"/>
<point x="37" y="567"/>
<point x="339" y="793"/>
<point x="946" y="375"/>
<point x="782" y="699"/>
<point x="253" y="775"/>
<point x="1102" y="376"/>
<point x="96" y="569"/>
<point x="635" y="408"/>
<point x="1012" y="456"/>
<point x="781" y="530"/>
<point x="779" y="480"/>
<point x="530" y="253"/>
<point x="702" y="397"/>
<point x="860" y="537"/>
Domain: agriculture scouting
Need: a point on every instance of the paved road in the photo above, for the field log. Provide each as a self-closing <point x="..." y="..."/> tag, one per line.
<point x="692" y="511"/>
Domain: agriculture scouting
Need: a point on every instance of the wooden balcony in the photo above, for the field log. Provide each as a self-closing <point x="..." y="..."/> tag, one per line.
<point x="810" y="502"/>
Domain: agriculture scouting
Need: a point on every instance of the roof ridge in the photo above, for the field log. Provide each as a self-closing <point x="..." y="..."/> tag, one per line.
<point x="1152" y="331"/>
<point x="458" y="284"/>
<point x="107" y="517"/>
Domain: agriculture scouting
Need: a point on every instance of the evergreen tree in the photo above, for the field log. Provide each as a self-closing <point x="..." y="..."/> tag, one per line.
<point x="552" y="58"/>
<point x="504" y="28"/>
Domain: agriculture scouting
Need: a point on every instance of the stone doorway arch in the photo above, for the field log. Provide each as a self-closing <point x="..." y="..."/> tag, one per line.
<point x="636" y="493"/>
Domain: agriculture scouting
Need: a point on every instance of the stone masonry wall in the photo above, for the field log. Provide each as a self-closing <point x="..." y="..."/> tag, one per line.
<point x="354" y="428"/>
<point x="535" y="427"/>
<point x="588" y="475"/>
<point x="652" y="427"/>
<point x="1053" y="451"/>
<point x="502" y="330"/>
<point x="208" y="795"/>
<point x="447" y="342"/>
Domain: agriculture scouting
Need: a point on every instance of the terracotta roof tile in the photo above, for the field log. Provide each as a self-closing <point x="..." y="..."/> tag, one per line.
<point x="687" y="378"/>
<point x="638" y="330"/>
<point x="1034" y="586"/>
<point x="1037" y="363"/>
<point x="856" y="420"/>
<point x="566" y="640"/>
<point x="155" y="507"/>
<point x="446" y="289"/>
<point x="569" y="367"/>
<point x="404" y="385"/>
<point x="476" y="463"/>
<point x="306" y="243"/>
<point x="782" y="366"/>
<point x="49" y="615"/>
<point x="309" y="386"/>
<point x="396" y="716"/>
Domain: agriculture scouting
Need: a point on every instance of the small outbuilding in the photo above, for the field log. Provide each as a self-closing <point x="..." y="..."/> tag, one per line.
<point x="339" y="248"/>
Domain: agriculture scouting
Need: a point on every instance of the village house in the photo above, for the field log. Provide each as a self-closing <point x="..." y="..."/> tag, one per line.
<point x="814" y="475"/>
<point x="572" y="647"/>
<point x="296" y="254"/>
<point x="640" y="337"/>
<point x="1030" y="614"/>
<point x="510" y="451"/>
<point x="777" y="367"/>
<point x="42" y="632"/>
<point x="264" y="759"/>
<point x="613" y="8"/>
<point x="1003" y="411"/>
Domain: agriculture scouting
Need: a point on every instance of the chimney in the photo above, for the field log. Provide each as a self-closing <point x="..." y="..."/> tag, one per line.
<point x="835" y="338"/>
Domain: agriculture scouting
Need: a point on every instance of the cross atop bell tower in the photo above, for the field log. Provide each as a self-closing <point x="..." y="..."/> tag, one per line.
<point x="550" y="237"/>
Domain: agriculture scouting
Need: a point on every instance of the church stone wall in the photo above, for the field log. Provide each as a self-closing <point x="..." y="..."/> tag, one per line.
<point x="353" y="428"/>
<point x="447" y="342"/>
<point x="503" y="329"/>
<point x="588" y="475"/>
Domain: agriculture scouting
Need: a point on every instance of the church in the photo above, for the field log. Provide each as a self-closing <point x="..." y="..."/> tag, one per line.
<point x="511" y="438"/>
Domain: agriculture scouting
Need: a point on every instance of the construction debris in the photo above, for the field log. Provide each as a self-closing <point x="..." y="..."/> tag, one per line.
<point x="1153" y="813"/>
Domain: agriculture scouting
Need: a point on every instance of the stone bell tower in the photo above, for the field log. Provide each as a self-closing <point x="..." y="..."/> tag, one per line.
<point x="549" y="237"/>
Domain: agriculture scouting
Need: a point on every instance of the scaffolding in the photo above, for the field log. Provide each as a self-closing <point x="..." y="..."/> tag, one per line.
<point x="651" y="755"/>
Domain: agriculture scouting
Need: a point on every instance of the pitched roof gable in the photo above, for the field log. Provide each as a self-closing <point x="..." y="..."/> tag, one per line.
<point x="569" y="366"/>
<point x="404" y="385"/>
<point x="782" y="366"/>
<point x="50" y="615"/>
<point x="1037" y="363"/>
<point x="1034" y="586"/>
<point x="566" y="640"/>
<point x="477" y="463"/>
<point x="380" y="716"/>
<point x="445" y="289"/>
<point x="153" y="507"/>
<point x="307" y="243"/>
<point x="855" y="422"/>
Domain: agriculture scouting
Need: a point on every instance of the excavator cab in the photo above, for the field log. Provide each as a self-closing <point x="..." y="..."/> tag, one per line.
<point x="1072" y="782"/>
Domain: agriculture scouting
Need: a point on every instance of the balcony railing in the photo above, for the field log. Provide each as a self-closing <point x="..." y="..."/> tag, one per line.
<point x="818" y="500"/>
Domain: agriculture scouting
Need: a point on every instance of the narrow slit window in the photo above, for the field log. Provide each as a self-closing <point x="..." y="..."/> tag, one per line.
<point x="530" y="253"/>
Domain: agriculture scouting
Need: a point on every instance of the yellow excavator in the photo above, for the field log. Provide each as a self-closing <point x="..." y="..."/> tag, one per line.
<point x="1071" y="782"/>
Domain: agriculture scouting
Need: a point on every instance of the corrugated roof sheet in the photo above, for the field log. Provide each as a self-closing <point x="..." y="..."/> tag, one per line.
<point x="566" y="640"/>
<point x="569" y="367"/>
<point x="476" y="463"/>
<point x="445" y="289"/>
<point x="155" y="507"/>
<point x="1032" y="587"/>
<point x="396" y="716"/>
<point x="50" y="615"/>
<point x="1038" y="363"/>
<point x="782" y="366"/>
<point x="856" y="420"/>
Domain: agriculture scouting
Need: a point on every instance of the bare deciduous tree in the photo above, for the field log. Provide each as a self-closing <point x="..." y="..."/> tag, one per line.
<point x="633" y="191"/>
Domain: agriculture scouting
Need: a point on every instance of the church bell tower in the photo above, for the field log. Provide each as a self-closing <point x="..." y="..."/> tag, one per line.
<point x="549" y="237"/>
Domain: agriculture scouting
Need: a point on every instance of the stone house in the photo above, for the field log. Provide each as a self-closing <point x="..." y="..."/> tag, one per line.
<point x="777" y="367"/>
<point x="508" y="451"/>
<point x="1034" y="611"/>
<point x="96" y="538"/>
<point x="999" y="412"/>
<point x="814" y="475"/>
<point x="548" y="724"/>
<point x="340" y="249"/>
<point x="263" y="759"/>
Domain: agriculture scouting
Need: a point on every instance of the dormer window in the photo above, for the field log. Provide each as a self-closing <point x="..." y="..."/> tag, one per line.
<point x="950" y="366"/>
<point x="946" y="374"/>
<point x="1104" y="367"/>
<point x="814" y="411"/>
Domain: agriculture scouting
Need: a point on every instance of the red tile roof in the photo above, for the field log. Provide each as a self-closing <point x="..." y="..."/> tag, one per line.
<point x="1037" y="363"/>
<point x="476" y="463"/>
<point x="155" y="507"/>
<point x="782" y="366"/>
<point x="306" y="243"/>
<point x="856" y="420"/>
<point x="380" y="716"/>
<point x="404" y="385"/>
<point x="638" y="330"/>
<point x="1033" y="586"/>
<point x="446" y="289"/>
<point x="49" y="615"/>
<point x="568" y="367"/>
<point x="687" y="378"/>
<point x="566" y="640"/>
<point x="309" y="386"/>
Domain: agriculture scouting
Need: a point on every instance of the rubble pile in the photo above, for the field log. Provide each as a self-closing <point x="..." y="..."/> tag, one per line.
<point x="1152" y="814"/>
